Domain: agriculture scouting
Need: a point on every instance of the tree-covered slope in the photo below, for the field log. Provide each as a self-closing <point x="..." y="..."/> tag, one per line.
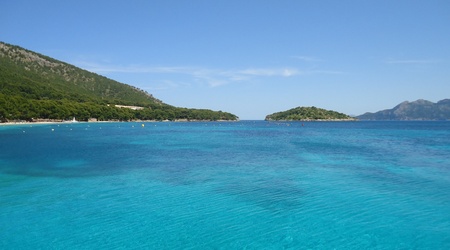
<point x="40" y="77"/>
<point x="417" y="110"/>
<point x="308" y="114"/>
<point x="36" y="86"/>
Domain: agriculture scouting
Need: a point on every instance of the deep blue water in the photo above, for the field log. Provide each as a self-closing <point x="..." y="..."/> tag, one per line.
<point x="241" y="185"/>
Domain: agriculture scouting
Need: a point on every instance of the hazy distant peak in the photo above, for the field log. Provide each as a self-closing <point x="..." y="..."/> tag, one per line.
<point x="417" y="110"/>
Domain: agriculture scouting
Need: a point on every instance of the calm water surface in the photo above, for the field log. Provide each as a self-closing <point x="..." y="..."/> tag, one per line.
<point x="241" y="185"/>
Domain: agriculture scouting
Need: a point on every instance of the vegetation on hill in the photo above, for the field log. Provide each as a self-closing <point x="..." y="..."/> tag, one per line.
<point x="308" y="114"/>
<point x="34" y="86"/>
<point x="417" y="110"/>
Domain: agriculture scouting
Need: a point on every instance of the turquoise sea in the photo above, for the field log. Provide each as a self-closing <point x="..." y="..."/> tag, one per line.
<point x="225" y="185"/>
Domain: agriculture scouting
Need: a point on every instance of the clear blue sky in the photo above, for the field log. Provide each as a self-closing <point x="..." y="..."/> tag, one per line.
<point x="251" y="58"/>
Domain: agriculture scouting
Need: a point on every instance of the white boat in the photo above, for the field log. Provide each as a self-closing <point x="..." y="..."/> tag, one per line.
<point x="73" y="120"/>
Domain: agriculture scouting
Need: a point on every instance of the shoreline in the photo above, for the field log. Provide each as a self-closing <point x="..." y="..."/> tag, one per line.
<point x="93" y="122"/>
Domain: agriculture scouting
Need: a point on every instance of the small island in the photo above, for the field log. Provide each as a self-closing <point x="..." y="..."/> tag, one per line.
<point x="309" y="114"/>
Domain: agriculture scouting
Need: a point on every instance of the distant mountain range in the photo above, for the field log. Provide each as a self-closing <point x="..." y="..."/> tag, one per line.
<point x="417" y="110"/>
<point x="35" y="87"/>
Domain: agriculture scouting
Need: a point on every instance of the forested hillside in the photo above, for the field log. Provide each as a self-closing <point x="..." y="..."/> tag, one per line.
<point x="34" y="86"/>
